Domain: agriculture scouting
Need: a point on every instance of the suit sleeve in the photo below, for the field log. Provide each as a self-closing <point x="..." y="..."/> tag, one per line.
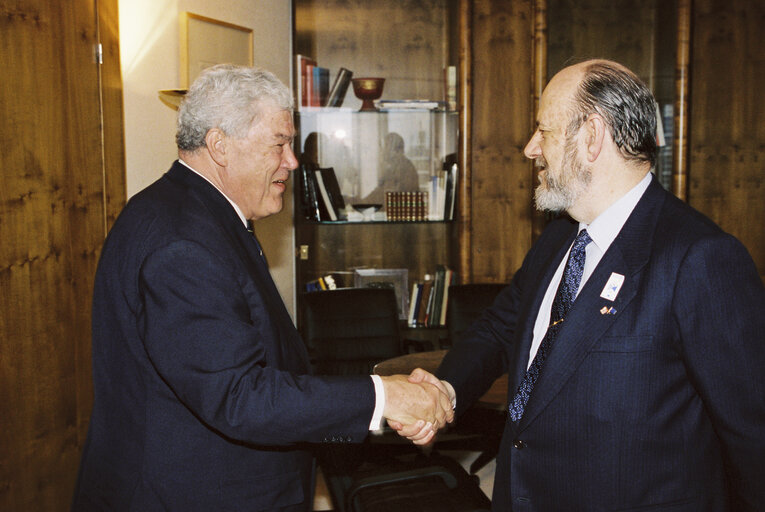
<point x="719" y="307"/>
<point x="217" y="356"/>
<point x="481" y="356"/>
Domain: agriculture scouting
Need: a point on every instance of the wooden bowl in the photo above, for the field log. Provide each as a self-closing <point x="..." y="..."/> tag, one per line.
<point x="368" y="90"/>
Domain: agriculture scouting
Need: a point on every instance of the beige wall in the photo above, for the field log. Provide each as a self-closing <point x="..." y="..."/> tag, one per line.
<point x="150" y="55"/>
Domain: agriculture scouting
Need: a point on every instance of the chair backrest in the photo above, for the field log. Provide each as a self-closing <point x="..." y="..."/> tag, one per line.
<point x="466" y="302"/>
<point x="348" y="331"/>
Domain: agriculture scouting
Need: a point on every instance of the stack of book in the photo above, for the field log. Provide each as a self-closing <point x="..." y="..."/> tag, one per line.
<point x="430" y="297"/>
<point x="312" y="84"/>
<point x="406" y="206"/>
<point x="320" y="196"/>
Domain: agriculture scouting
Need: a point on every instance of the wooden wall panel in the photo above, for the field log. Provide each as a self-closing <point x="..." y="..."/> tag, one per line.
<point x="52" y="226"/>
<point x="727" y="133"/>
<point x="502" y="178"/>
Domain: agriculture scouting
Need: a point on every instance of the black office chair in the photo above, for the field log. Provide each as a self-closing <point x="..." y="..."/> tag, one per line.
<point x="466" y="302"/>
<point x="347" y="332"/>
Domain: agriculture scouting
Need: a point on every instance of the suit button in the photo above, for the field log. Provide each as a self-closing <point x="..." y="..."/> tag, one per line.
<point x="518" y="444"/>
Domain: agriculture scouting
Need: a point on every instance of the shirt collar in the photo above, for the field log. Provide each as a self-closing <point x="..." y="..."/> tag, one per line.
<point x="236" y="208"/>
<point x="604" y="229"/>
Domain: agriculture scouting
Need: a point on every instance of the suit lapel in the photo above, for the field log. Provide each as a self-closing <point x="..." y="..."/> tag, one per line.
<point x="585" y="324"/>
<point x="289" y="344"/>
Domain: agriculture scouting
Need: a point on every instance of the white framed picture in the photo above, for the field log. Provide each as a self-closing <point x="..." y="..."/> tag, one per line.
<point x="395" y="278"/>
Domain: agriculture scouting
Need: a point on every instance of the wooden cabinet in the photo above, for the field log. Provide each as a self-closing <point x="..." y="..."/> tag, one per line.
<point x="63" y="184"/>
<point x="410" y="46"/>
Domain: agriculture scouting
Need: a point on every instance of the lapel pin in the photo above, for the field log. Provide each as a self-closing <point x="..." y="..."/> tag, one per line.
<point x="614" y="284"/>
<point x="605" y="310"/>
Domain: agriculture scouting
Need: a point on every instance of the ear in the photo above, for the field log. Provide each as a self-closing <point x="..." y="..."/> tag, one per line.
<point x="595" y="134"/>
<point x="215" y="140"/>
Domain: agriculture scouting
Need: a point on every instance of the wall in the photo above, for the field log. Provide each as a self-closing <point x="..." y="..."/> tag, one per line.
<point x="727" y="134"/>
<point x="150" y="54"/>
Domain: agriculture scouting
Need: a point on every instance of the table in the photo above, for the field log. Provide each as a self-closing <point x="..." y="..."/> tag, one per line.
<point x="494" y="398"/>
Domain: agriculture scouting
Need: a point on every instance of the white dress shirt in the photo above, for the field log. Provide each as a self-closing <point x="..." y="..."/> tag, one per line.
<point x="603" y="231"/>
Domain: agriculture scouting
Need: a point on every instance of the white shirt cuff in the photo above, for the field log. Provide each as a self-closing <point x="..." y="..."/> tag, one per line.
<point x="377" y="416"/>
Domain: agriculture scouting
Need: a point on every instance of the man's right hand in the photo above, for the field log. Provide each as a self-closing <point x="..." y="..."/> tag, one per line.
<point x="407" y="402"/>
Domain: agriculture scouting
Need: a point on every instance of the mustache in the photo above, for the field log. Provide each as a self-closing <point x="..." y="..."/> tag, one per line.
<point x="540" y="162"/>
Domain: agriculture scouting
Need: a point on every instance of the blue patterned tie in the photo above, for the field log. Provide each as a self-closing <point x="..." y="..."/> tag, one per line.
<point x="564" y="298"/>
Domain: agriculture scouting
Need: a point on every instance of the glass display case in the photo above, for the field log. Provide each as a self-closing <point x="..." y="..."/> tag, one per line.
<point x="375" y="153"/>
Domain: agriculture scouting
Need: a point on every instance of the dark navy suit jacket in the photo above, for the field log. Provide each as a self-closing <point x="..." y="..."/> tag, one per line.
<point x="658" y="405"/>
<point x="202" y="393"/>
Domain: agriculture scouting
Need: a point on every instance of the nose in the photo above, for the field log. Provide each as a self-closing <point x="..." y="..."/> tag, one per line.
<point x="533" y="149"/>
<point x="289" y="160"/>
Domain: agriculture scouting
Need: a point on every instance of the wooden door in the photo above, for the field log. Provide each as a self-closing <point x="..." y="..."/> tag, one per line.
<point x="62" y="182"/>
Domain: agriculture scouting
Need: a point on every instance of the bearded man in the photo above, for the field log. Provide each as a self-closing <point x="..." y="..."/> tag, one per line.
<point x="633" y="336"/>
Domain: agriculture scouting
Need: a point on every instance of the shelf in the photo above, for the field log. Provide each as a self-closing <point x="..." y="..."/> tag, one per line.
<point x="368" y="222"/>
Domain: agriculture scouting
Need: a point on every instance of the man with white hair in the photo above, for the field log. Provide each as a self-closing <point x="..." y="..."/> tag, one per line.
<point x="203" y="394"/>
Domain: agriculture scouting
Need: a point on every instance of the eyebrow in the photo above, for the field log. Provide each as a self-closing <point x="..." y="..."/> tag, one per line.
<point x="285" y="137"/>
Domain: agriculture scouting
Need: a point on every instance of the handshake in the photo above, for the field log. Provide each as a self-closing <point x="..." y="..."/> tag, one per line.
<point x="418" y="405"/>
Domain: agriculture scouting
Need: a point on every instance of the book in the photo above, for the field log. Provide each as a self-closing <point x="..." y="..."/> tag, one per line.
<point x="450" y="192"/>
<point x="448" y="281"/>
<point x="410" y="104"/>
<point x="302" y="64"/>
<point x="438" y="293"/>
<point x="324" y="195"/>
<point x="413" y="303"/>
<point x="424" y="300"/>
<point x="450" y="87"/>
<point x="320" y="86"/>
<point x="339" y="88"/>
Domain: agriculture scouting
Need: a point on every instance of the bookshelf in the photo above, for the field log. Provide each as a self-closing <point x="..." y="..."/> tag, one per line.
<point x="404" y="153"/>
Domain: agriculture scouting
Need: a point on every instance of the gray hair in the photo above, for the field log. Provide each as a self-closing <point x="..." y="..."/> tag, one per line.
<point x="625" y="103"/>
<point x="227" y="97"/>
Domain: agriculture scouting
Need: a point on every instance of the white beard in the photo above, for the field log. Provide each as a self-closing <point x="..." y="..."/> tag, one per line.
<point x="558" y="192"/>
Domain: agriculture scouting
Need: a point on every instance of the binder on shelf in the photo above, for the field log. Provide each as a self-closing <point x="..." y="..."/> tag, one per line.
<point x="333" y="188"/>
<point x="339" y="87"/>
<point x="308" y="194"/>
<point x="324" y="195"/>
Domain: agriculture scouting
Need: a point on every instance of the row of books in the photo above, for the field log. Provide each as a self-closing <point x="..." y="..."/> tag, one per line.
<point x="312" y="84"/>
<point x="430" y="297"/>
<point x="406" y="206"/>
<point x="321" y="199"/>
<point x="320" y="196"/>
<point x="327" y="282"/>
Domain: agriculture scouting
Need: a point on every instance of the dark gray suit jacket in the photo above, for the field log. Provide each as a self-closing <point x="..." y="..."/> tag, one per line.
<point x="202" y="392"/>
<point x="658" y="406"/>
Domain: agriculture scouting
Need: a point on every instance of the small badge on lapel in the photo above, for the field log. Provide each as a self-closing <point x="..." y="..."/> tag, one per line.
<point x="614" y="284"/>
<point x="605" y="310"/>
